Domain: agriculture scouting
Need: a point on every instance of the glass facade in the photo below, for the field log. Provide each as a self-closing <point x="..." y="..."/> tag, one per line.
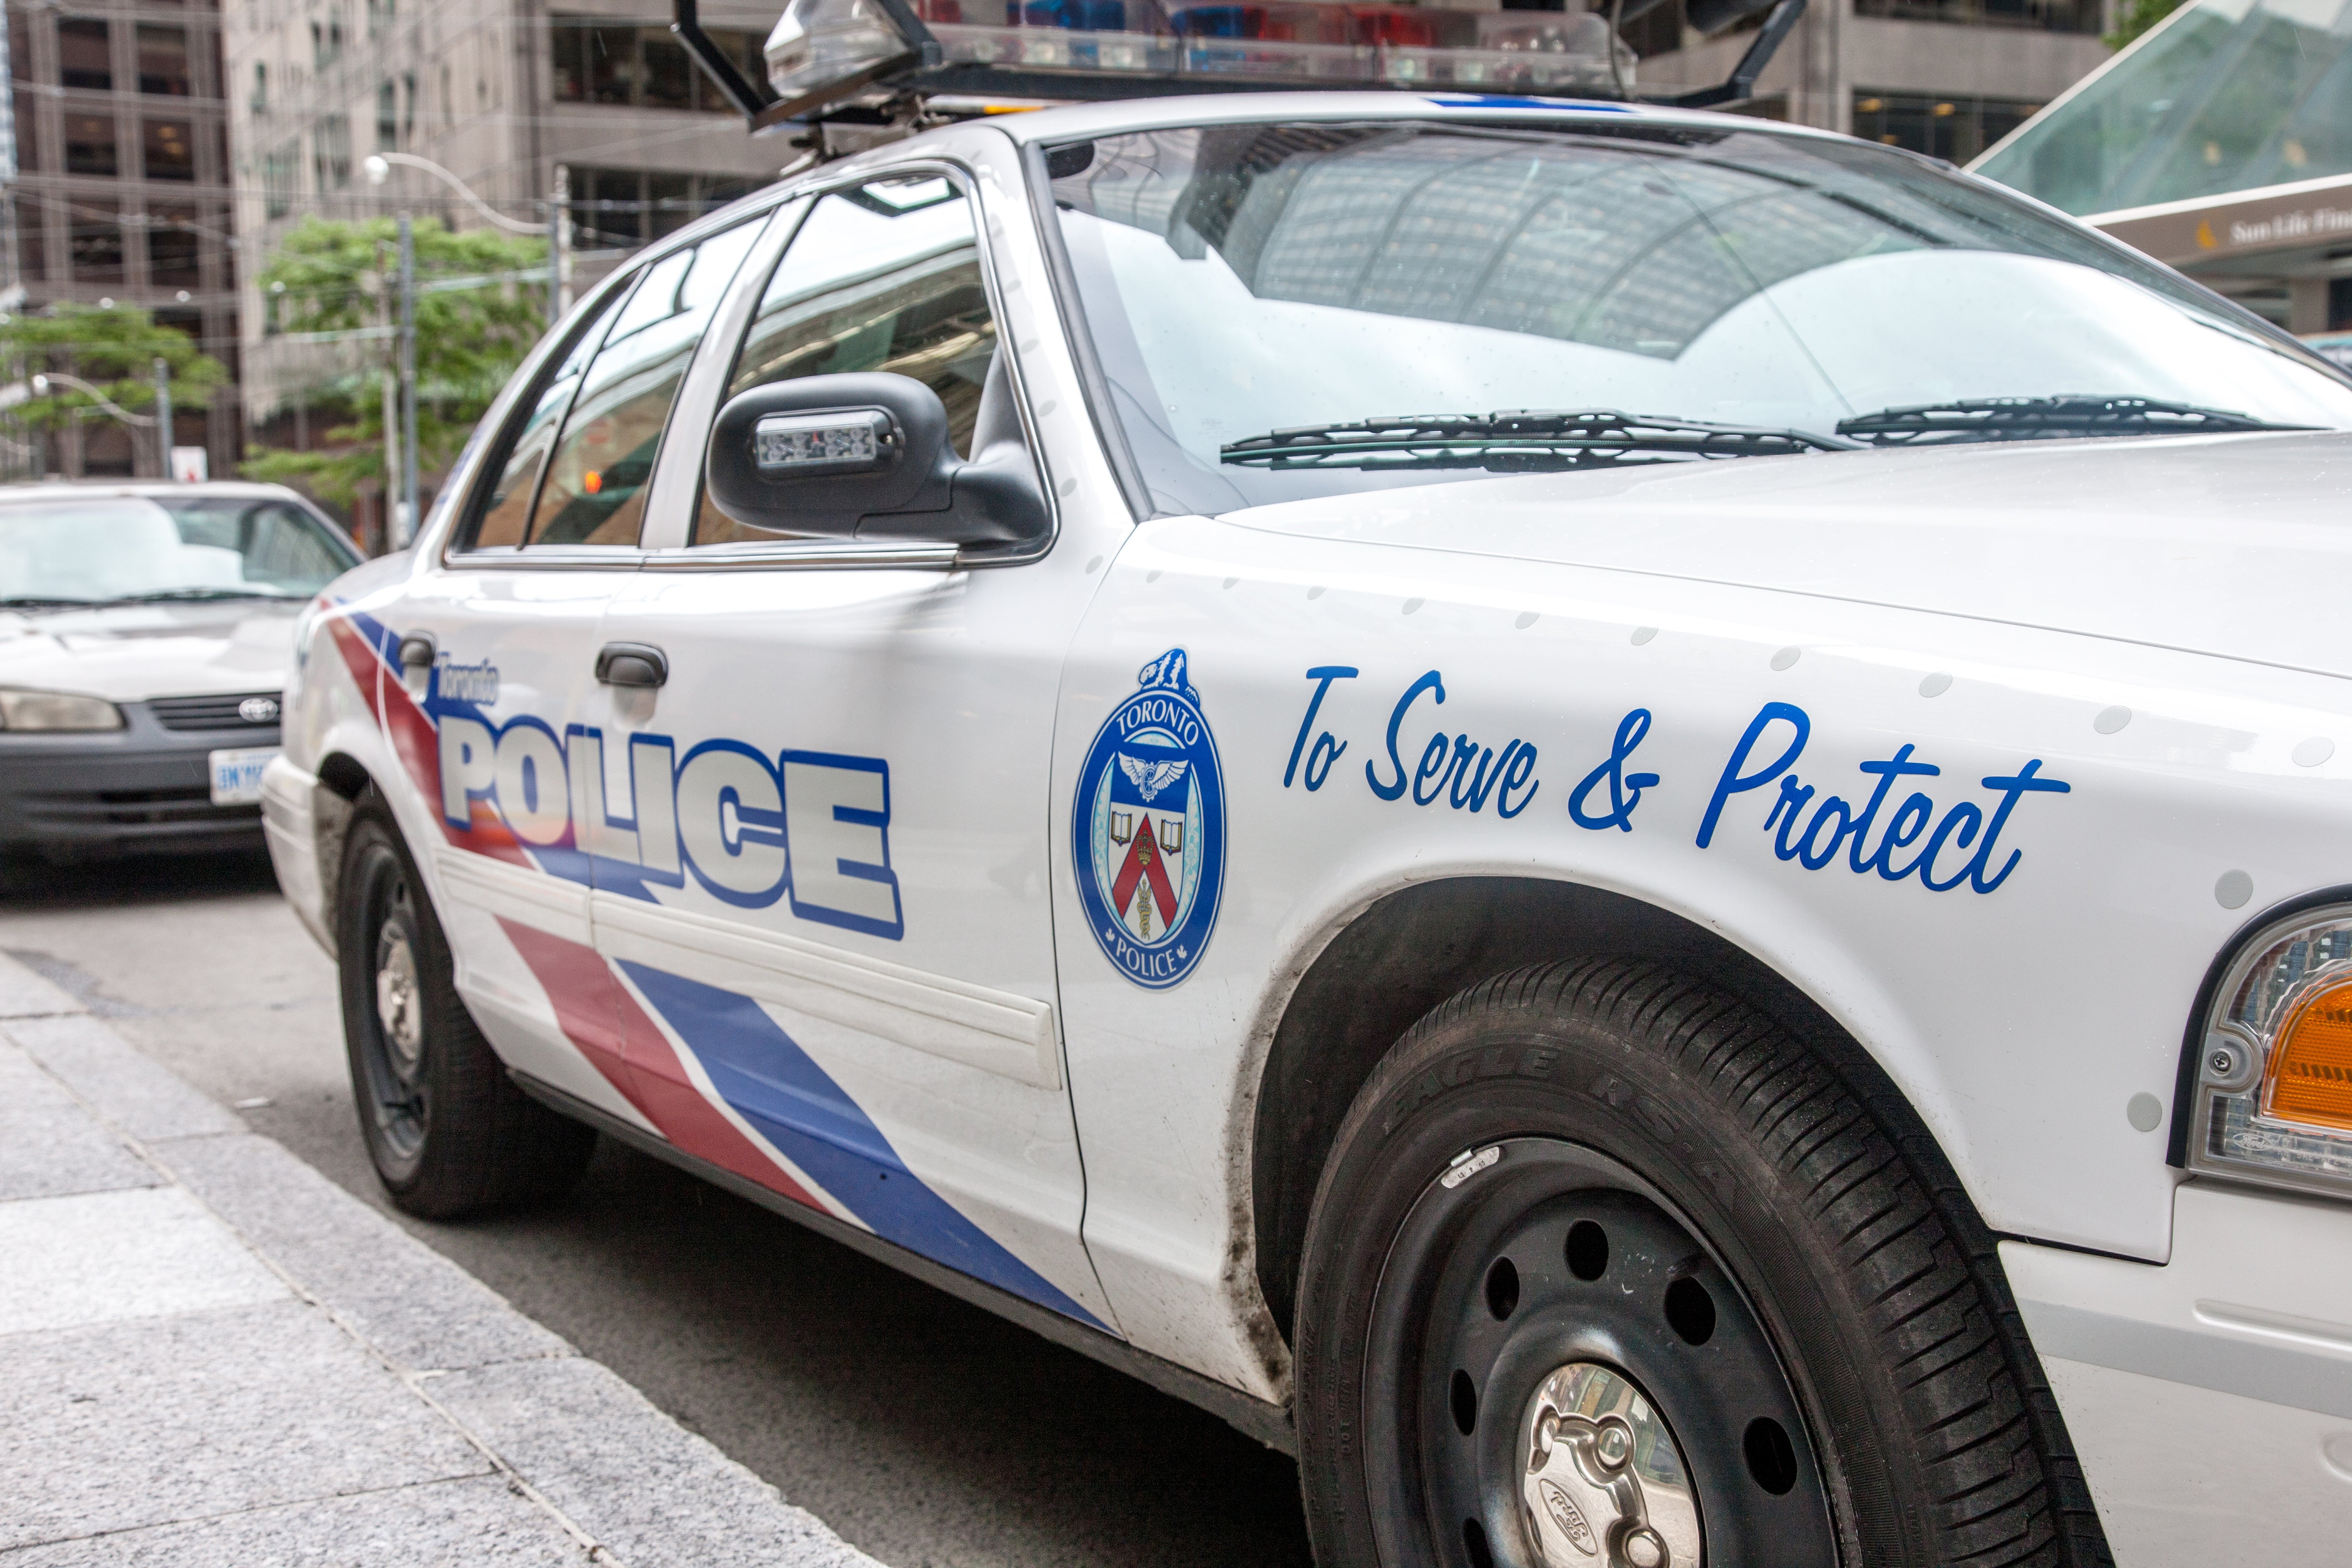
<point x="2041" y="15"/>
<point x="1952" y="127"/>
<point x="2227" y="95"/>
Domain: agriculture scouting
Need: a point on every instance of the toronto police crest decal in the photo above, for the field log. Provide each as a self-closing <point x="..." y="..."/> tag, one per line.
<point x="1150" y="828"/>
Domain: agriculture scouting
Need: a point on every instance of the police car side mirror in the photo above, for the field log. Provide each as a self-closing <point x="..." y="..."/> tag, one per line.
<point x="866" y="456"/>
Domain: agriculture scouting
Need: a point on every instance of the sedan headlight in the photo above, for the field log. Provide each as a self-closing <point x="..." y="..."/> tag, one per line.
<point x="56" y="710"/>
<point x="2273" y="1100"/>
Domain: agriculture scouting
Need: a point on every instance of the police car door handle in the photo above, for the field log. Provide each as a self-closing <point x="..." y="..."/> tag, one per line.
<point x="417" y="651"/>
<point x="632" y="664"/>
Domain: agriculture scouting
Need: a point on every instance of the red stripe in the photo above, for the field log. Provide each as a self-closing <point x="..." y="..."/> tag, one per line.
<point x="418" y="745"/>
<point x="599" y="1016"/>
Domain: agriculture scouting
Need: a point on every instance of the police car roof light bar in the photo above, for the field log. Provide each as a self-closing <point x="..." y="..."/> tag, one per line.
<point x="922" y="70"/>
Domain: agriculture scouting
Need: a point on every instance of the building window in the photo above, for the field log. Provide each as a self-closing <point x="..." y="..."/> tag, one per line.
<point x="2040" y="15"/>
<point x="616" y="209"/>
<point x="387" y="117"/>
<point x="172" y="248"/>
<point x="260" y="102"/>
<point x="95" y="239"/>
<point x="641" y="68"/>
<point x="28" y="157"/>
<point x="31" y="239"/>
<point x="331" y="153"/>
<point x="90" y="144"/>
<point x="1957" y="129"/>
<point x="171" y="149"/>
<point x="327" y="42"/>
<point x="163" y="61"/>
<point x="85" y="54"/>
<point x="281" y="179"/>
<point x="408" y="107"/>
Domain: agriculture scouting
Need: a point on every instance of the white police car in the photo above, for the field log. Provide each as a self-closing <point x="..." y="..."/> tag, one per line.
<point x="1637" y="825"/>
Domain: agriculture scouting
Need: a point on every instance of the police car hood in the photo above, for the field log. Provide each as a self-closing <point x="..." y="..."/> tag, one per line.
<point x="2234" y="545"/>
<point x="129" y="653"/>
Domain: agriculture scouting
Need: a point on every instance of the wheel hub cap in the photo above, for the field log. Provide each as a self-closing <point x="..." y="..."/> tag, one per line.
<point x="398" y="1006"/>
<point x="1603" y="1481"/>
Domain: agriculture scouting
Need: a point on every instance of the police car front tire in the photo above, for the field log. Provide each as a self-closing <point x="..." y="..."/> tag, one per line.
<point x="446" y="1128"/>
<point x="1604" y="1261"/>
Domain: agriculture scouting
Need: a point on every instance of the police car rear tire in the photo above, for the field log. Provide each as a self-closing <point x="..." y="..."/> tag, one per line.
<point x="1604" y="1186"/>
<point x="446" y="1128"/>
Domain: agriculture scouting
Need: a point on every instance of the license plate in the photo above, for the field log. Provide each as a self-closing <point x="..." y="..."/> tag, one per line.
<point x="237" y="775"/>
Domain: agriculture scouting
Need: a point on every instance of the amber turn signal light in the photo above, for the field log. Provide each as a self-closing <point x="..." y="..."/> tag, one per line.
<point x="2309" y="1077"/>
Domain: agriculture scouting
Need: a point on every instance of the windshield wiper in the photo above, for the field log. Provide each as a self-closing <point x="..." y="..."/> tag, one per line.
<point x="1517" y="440"/>
<point x="163" y="595"/>
<point x="2056" y="418"/>
<point x="44" y="602"/>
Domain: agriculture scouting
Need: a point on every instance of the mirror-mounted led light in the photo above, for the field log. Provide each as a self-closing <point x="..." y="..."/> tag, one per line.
<point x="2274" y="1075"/>
<point x="836" y="441"/>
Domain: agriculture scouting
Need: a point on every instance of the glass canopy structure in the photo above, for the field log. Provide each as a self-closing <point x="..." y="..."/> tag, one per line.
<point x="2225" y="96"/>
<point x="2220" y="143"/>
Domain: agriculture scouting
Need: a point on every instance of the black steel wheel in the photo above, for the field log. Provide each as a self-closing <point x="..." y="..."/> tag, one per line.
<point x="446" y="1130"/>
<point x="1608" y="1271"/>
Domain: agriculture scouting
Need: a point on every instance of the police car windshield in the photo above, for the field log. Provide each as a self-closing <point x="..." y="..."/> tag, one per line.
<point x="97" y="550"/>
<point x="1243" y="280"/>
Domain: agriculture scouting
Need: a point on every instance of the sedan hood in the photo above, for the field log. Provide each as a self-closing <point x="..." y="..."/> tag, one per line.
<point x="2234" y="545"/>
<point x="129" y="653"/>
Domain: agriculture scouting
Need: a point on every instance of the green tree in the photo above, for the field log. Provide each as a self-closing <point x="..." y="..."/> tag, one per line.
<point x="476" y="319"/>
<point x="115" y="348"/>
<point x="2136" y="16"/>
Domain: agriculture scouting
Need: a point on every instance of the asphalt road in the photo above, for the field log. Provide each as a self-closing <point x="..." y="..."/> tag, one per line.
<point x="924" y="1430"/>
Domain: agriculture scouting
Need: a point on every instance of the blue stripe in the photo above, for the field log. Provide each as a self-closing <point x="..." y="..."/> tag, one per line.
<point x="777" y="1087"/>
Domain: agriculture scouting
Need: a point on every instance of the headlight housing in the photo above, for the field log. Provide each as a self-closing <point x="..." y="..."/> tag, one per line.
<point x="2273" y="1073"/>
<point x="36" y="711"/>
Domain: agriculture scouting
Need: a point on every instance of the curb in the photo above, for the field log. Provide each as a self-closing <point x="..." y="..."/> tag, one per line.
<point x="625" y="1483"/>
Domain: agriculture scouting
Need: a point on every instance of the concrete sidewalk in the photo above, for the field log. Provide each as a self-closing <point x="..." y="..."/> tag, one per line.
<point x="211" y="1354"/>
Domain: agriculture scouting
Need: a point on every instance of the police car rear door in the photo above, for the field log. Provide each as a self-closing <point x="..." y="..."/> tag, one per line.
<point x="838" y="949"/>
<point x="509" y="621"/>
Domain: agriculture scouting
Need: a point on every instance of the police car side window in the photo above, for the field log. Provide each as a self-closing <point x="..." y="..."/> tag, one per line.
<point x="611" y="399"/>
<point x="885" y="276"/>
<point x="505" y="509"/>
<point x="595" y="491"/>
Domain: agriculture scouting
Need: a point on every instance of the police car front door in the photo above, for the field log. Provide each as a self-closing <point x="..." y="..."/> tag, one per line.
<point x="840" y="951"/>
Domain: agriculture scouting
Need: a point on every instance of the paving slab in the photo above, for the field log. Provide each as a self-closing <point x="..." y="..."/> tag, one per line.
<point x="156" y="1419"/>
<point x="129" y="1090"/>
<point x="49" y="1145"/>
<point x="211" y="1354"/>
<point x="96" y="1258"/>
<point x="470" y="1524"/>
<point x="659" y="1495"/>
<point x="25" y="995"/>
<point x="413" y="1304"/>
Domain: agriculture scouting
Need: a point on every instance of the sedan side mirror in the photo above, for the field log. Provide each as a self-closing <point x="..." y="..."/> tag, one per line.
<point x="866" y="456"/>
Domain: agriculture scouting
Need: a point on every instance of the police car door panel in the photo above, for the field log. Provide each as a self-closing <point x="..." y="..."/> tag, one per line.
<point x="837" y="945"/>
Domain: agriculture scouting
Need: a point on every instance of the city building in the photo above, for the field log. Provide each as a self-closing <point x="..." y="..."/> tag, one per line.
<point x="499" y="92"/>
<point x="123" y="195"/>
<point x="1947" y="77"/>
<point x="2220" y="143"/>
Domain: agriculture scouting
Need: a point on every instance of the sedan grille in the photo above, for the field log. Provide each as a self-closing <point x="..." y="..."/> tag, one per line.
<point x="233" y="710"/>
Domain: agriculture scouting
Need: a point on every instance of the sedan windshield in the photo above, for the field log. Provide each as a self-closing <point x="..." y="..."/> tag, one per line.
<point x="1288" y="310"/>
<point x="85" y="550"/>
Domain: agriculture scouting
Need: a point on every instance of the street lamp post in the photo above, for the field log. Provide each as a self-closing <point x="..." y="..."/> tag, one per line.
<point x="164" y="413"/>
<point x="558" y="228"/>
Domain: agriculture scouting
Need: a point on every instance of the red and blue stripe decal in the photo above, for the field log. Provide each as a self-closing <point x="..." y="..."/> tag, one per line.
<point x="839" y="1160"/>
